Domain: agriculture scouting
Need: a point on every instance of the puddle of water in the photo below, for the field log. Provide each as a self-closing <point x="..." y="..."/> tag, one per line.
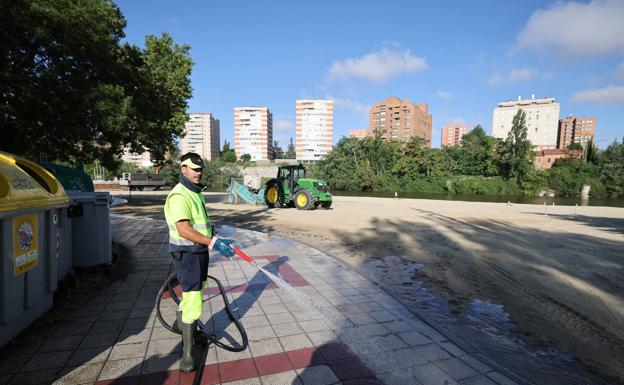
<point x="485" y="326"/>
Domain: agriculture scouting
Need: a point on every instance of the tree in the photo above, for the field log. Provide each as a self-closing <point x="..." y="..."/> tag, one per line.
<point x="245" y="158"/>
<point x="612" y="168"/>
<point x="290" y="152"/>
<point x="162" y="97"/>
<point x="71" y="90"/>
<point x="517" y="150"/>
<point x="591" y="152"/>
<point x="567" y="176"/>
<point x="575" y="147"/>
<point x="227" y="154"/>
<point x="278" y="152"/>
<point x="477" y="155"/>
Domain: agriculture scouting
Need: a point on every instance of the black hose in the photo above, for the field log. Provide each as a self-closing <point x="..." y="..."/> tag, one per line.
<point x="204" y="338"/>
<point x="169" y="285"/>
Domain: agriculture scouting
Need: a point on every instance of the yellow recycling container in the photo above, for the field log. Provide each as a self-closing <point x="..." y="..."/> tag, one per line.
<point x="33" y="222"/>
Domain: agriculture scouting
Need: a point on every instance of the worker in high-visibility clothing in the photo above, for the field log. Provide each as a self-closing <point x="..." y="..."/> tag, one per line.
<point x="190" y="237"/>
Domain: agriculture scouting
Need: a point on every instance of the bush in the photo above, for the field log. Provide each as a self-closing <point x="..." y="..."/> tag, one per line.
<point x="481" y="185"/>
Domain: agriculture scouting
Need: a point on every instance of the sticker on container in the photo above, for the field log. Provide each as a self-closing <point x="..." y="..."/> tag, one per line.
<point x="25" y="243"/>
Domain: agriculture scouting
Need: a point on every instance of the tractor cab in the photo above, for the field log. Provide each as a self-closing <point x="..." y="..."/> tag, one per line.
<point x="292" y="188"/>
<point x="291" y="174"/>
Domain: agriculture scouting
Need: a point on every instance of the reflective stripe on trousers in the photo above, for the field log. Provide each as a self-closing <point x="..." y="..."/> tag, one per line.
<point x="191" y="305"/>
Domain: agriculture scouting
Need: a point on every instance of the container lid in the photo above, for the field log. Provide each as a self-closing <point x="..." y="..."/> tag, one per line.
<point x="97" y="198"/>
<point x="70" y="178"/>
<point x="25" y="184"/>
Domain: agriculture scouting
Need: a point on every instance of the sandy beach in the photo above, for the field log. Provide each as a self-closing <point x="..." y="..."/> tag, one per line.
<point x="557" y="270"/>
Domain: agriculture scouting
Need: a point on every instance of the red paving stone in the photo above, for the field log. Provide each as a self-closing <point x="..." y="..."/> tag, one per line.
<point x="237" y="370"/>
<point x="305" y="357"/>
<point x="350" y="370"/>
<point x="272" y="363"/>
<point x="286" y="271"/>
<point x="211" y="375"/>
<point x="339" y="358"/>
<point x="171" y="377"/>
<point x="130" y="380"/>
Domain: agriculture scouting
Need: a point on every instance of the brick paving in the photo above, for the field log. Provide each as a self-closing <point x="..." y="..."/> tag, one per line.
<point x="336" y="328"/>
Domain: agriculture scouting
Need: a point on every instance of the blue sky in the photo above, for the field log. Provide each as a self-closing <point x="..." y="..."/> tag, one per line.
<point x="461" y="57"/>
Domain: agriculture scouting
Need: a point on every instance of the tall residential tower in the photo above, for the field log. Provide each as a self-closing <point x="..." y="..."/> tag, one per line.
<point x="314" y="128"/>
<point x="398" y="119"/>
<point x="202" y="135"/>
<point x="453" y="133"/>
<point x="253" y="132"/>
<point x="542" y="120"/>
<point x="575" y="130"/>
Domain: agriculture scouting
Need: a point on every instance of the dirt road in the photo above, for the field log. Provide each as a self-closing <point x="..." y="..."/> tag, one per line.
<point x="558" y="271"/>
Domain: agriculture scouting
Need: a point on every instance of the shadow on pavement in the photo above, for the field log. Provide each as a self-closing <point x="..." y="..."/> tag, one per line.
<point x="560" y="288"/>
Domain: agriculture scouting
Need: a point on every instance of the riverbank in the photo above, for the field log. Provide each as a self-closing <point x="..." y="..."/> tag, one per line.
<point x="557" y="271"/>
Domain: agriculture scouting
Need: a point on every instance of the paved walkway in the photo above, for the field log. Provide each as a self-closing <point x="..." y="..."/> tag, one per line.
<point x="335" y="327"/>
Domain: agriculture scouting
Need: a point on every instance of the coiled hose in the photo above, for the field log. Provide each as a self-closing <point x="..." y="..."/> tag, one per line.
<point x="210" y="339"/>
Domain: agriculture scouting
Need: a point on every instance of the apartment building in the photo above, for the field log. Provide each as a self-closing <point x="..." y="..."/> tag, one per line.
<point x="314" y="128"/>
<point x="253" y="132"/>
<point x="542" y="120"/>
<point x="202" y="135"/>
<point x="358" y="133"/>
<point x="575" y="130"/>
<point x="453" y="133"/>
<point x="140" y="160"/>
<point x="398" y="119"/>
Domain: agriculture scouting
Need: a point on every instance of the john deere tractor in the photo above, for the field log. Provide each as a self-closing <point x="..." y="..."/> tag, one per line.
<point x="292" y="188"/>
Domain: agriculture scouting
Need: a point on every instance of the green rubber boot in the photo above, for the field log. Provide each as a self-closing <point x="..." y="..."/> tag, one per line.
<point x="187" y="363"/>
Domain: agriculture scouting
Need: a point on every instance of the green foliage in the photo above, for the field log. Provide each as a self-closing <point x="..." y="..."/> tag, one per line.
<point x="592" y="154"/>
<point x="612" y="169"/>
<point x="278" y="152"/>
<point x="481" y="165"/>
<point x="575" y="147"/>
<point x="481" y="185"/>
<point x="517" y="150"/>
<point x="290" y="151"/>
<point x="245" y="158"/>
<point x="127" y="168"/>
<point x="171" y="173"/>
<point x="72" y="90"/>
<point x="478" y="154"/>
<point x="227" y="154"/>
<point x="567" y="176"/>
<point x="217" y="173"/>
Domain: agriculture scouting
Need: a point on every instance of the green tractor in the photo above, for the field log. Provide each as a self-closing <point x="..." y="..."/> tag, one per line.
<point x="292" y="188"/>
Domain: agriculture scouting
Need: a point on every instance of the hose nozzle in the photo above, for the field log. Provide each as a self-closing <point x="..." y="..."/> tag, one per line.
<point x="244" y="256"/>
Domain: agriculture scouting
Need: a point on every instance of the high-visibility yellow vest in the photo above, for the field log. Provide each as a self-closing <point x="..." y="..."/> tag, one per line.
<point x="199" y="219"/>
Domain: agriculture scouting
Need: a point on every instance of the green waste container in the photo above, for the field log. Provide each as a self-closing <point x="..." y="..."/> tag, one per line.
<point x="32" y="204"/>
<point x="70" y="178"/>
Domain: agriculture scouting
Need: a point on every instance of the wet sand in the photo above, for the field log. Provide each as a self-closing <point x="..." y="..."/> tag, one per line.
<point x="557" y="270"/>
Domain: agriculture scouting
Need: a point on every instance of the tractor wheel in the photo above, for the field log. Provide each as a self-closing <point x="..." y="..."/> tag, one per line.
<point x="273" y="196"/>
<point x="303" y="200"/>
<point x="326" y="205"/>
